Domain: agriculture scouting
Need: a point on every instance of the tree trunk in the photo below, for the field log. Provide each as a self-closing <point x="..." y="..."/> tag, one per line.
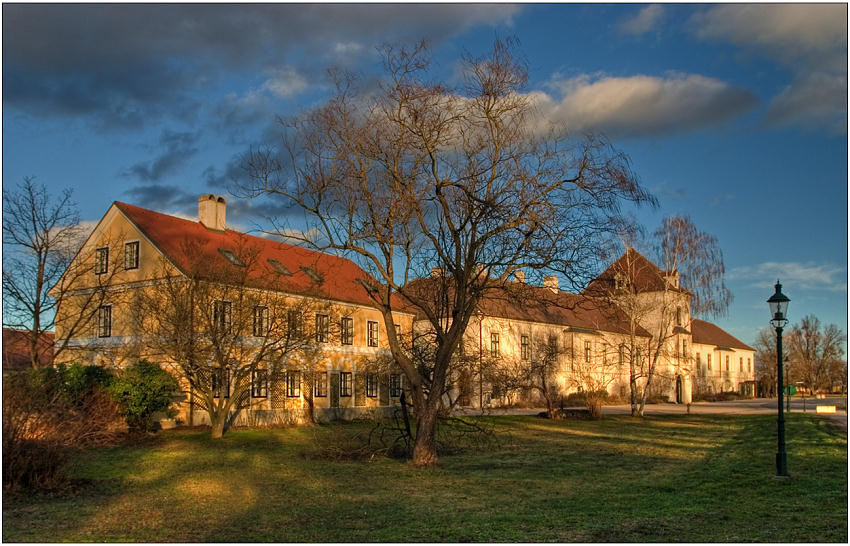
<point x="425" y="444"/>
<point x="217" y="420"/>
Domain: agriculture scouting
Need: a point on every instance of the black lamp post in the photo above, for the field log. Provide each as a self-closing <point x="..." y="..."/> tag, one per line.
<point x="778" y="306"/>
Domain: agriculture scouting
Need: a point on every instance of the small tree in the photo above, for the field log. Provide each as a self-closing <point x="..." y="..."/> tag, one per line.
<point x="141" y="390"/>
<point x="221" y="335"/>
<point x="42" y="269"/>
<point x="765" y="360"/>
<point x="660" y="299"/>
<point x="816" y="353"/>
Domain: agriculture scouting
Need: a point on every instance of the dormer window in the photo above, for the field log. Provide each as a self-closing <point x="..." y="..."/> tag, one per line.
<point x="312" y="273"/>
<point x="231" y="257"/>
<point x="279" y="267"/>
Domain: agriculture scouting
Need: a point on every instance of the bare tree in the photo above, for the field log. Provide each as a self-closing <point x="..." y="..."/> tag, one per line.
<point x="42" y="268"/>
<point x="223" y="336"/>
<point x="687" y="280"/>
<point x="765" y="360"/>
<point x="815" y="353"/>
<point x="420" y="175"/>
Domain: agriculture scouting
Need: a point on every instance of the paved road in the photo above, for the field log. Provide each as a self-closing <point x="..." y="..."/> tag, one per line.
<point x="743" y="407"/>
<point x="732" y="407"/>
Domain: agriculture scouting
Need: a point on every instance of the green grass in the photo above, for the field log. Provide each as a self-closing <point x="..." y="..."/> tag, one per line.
<point x="689" y="478"/>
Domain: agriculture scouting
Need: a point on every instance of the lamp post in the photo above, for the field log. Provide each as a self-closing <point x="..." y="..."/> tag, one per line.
<point x="778" y="303"/>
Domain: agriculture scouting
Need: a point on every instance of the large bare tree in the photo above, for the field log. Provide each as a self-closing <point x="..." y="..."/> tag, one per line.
<point x="420" y="174"/>
<point x="42" y="237"/>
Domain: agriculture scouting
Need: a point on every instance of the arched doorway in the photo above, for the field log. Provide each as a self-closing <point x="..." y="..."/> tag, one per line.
<point x="678" y="389"/>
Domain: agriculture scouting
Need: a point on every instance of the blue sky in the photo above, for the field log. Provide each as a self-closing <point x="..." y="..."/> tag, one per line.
<point x="733" y="114"/>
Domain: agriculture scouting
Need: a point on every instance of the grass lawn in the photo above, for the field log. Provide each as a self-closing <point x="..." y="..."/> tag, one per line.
<point x="692" y="478"/>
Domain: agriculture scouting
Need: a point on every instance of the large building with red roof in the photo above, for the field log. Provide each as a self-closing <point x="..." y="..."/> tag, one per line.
<point x="311" y="313"/>
<point x="632" y="320"/>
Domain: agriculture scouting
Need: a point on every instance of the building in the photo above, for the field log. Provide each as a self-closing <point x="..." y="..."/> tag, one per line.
<point x="525" y="342"/>
<point x="722" y="362"/>
<point x="16" y="349"/>
<point x="318" y="298"/>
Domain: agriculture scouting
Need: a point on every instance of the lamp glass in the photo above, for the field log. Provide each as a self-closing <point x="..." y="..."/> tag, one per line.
<point x="778" y="303"/>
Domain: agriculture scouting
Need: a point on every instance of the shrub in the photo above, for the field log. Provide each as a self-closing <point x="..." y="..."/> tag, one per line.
<point x="141" y="390"/>
<point x="46" y="415"/>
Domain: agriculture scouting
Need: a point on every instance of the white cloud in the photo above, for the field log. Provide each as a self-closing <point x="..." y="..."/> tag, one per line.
<point x="642" y="105"/>
<point x="807" y="275"/>
<point x="645" y="21"/>
<point x="285" y="82"/>
<point x="810" y="39"/>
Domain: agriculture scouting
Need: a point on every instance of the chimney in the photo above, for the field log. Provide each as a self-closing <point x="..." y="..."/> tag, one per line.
<point x="519" y="274"/>
<point x="551" y="282"/>
<point x="211" y="211"/>
<point x="672" y="278"/>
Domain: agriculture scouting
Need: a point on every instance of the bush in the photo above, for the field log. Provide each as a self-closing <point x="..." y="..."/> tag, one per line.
<point x="47" y="414"/>
<point x="142" y="390"/>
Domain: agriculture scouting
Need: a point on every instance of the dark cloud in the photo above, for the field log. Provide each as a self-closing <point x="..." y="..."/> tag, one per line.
<point x="124" y="64"/>
<point x="165" y="198"/>
<point x="177" y="148"/>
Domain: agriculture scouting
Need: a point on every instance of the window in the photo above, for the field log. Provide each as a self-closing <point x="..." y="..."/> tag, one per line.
<point x="261" y="321"/>
<point x="293" y="383"/>
<point x="525" y="348"/>
<point x="587" y="351"/>
<point x="279" y="268"/>
<point x="345" y="384"/>
<point x="322" y="328"/>
<point x="346" y="331"/>
<point x="621" y="356"/>
<point x="104" y="321"/>
<point x="749" y="365"/>
<point x="231" y="257"/>
<point x="727" y="363"/>
<point x="131" y="255"/>
<point x="101" y="260"/>
<point x="708" y="361"/>
<point x="553" y="342"/>
<point x="741" y="364"/>
<point x="220" y="383"/>
<point x="395" y="385"/>
<point x="312" y="273"/>
<point x="371" y="385"/>
<point x="259" y="383"/>
<point x="294" y="323"/>
<point x="678" y="316"/>
<point x="320" y="386"/>
<point x="685" y="348"/>
<point x="699" y="360"/>
<point x="221" y="316"/>
<point x="373" y="333"/>
<point x="494" y="344"/>
<point x="637" y="357"/>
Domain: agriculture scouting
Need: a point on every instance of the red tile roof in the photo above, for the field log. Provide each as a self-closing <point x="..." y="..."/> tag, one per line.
<point x="520" y="301"/>
<point x="191" y="247"/>
<point x="709" y="334"/>
<point x="644" y="275"/>
<point x="16" y="349"/>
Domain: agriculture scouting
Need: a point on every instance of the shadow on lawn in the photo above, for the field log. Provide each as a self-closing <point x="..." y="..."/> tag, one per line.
<point x="670" y="478"/>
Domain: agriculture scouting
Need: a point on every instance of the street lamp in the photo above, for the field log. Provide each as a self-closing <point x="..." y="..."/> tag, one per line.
<point x="778" y="303"/>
